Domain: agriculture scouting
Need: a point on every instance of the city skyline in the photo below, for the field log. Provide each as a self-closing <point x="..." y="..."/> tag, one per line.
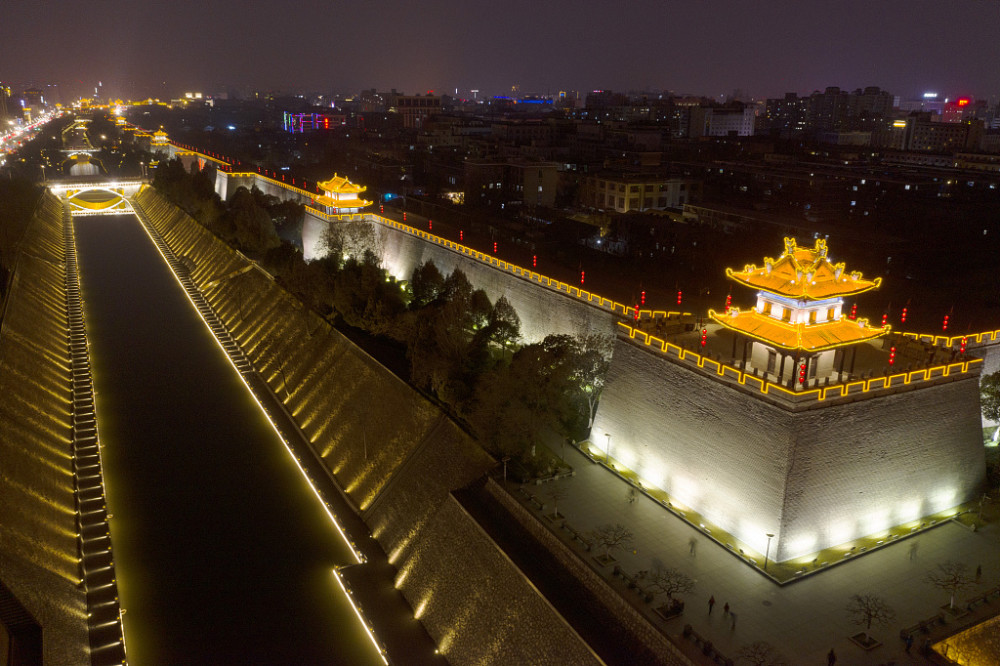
<point x="712" y="50"/>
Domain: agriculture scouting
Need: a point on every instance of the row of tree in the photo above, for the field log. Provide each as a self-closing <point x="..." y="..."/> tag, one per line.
<point x="459" y="346"/>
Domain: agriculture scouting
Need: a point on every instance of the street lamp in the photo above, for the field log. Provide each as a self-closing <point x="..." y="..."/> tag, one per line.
<point x="607" y="451"/>
<point x="768" y="551"/>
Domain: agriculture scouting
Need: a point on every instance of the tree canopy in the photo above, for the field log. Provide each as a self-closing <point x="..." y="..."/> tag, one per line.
<point x="989" y="389"/>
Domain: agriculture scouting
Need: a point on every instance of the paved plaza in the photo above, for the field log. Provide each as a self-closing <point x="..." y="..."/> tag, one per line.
<point x="803" y="620"/>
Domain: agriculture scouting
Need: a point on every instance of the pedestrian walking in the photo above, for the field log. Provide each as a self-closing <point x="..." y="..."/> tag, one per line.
<point x="979" y="573"/>
<point x="913" y="550"/>
<point x="711" y="604"/>
<point x="725" y="609"/>
<point x="831" y="658"/>
<point x="694" y="544"/>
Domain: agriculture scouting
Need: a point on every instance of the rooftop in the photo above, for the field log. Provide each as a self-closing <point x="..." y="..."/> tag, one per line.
<point x="804" y="274"/>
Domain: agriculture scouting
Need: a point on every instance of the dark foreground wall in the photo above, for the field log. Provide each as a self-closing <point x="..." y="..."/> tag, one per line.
<point x="395" y="454"/>
<point x="38" y="546"/>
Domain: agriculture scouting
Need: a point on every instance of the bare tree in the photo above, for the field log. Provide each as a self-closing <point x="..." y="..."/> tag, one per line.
<point x="612" y="537"/>
<point x="868" y="609"/>
<point x="593" y="362"/>
<point x="556" y="493"/>
<point x="670" y="581"/>
<point x="760" y="653"/>
<point x="951" y="577"/>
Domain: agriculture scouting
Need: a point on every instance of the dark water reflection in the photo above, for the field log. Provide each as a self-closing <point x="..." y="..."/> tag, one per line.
<point x="224" y="555"/>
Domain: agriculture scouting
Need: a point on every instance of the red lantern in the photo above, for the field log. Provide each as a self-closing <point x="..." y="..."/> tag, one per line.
<point x="404" y="217"/>
<point x="902" y="317"/>
<point x="884" y="318"/>
<point x="381" y="209"/>
<point x="494" y="247"/>
<point x="534" y="261"/>
<point x="944" y="325"/>
<point x="704" y="336"/>
<point x="962" y="347"/>
<point x="679" y="297"/>
<point x="729" y="301"/>
<point x="430" y="224"/>
<point x="892" y="355"/>
<point x="461" y="235"/>
<point x="642" y="298"/>
<point x="802" y="372"/>
<point x="637" y="312"/>
<point x="854" y="311"/>
<point x="582" y="275"/>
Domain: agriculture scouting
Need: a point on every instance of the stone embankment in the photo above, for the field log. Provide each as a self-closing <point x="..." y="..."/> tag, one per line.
<point x="396" y="455"/>
<point x="39" y="559"/>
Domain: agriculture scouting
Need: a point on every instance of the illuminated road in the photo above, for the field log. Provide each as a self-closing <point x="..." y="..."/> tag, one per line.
<point x="223" y="553"/>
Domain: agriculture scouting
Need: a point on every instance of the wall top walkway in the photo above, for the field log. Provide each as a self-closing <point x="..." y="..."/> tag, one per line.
<point x="813" y="394"/>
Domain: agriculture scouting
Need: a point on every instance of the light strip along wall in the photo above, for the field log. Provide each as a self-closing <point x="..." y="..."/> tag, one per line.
<point x="863" y="387"/>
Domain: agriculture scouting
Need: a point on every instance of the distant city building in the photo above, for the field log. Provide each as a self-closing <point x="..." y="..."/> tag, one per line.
<point x="637" y="192"/>
<point x="925" y="135"/>
<point x="787" y="116"/>
<point x="519" y="182"/>
<point x="299" y="123"/>
<point x="726" y="121"/>
<point x="415" y="109"/>
<point x="831" y="111"/>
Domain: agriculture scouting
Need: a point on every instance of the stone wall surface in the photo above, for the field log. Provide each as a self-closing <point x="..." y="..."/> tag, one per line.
<point x="456" y="578"/>
<point x="38" y="546"/>
<point x="863" y="467"/>
<point x="397" y="456"/>
<point x="542" y="311"/>
<point x="652" y="638"/>
<point x="710" y="447"/>
<point x="815" y="478"/>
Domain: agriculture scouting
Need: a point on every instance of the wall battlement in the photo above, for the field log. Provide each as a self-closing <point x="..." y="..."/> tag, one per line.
<point x="815" y="395"/>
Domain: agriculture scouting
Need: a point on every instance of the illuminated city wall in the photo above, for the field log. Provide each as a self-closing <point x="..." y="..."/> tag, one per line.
<point x="38" y="545"/>
<point x="542" y="311"/>
<point x="814" y="478"/>
<point x="397" y="456"/>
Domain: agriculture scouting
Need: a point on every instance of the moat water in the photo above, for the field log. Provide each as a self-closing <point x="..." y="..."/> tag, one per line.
<point x="223" y="554"/>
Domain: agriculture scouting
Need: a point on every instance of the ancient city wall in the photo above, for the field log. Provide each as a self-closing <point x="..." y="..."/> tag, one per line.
<point x="395" y="454"/>
<point x="542" y="311"/>
<point x="813" y="478"/>
<point x="38" y="546"/>
<point x="456" y="577"/>
<point x="651" y="638"/>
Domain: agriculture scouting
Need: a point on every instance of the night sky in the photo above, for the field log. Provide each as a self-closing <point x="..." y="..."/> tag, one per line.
<point x="165" y="47"/>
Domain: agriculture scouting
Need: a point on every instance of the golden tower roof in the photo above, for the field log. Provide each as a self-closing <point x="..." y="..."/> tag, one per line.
<point x="798" y="335"/>
<point x="341" y="185"/>
<point x="803" y="274"/>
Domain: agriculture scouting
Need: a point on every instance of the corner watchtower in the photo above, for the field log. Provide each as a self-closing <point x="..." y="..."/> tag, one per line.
<point x="797" y="331"/>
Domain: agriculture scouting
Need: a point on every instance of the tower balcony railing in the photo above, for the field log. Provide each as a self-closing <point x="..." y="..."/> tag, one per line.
<point x="813" y="393"/>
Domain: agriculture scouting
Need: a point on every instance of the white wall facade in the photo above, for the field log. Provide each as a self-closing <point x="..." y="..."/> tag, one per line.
<point x="814" y="478"/>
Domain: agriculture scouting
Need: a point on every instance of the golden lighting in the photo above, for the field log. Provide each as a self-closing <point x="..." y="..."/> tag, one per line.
<point x="818" y="393"/>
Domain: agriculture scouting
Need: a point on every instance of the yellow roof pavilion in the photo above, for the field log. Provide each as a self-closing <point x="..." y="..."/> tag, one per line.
<point x="803" y="274"/>
<point x="808" y="337"/>
<point x="340" y="185"/>
<point x="343" y="203"/>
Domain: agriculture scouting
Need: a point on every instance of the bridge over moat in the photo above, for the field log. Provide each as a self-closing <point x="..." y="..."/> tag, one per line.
<point x="97" y="196"/>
